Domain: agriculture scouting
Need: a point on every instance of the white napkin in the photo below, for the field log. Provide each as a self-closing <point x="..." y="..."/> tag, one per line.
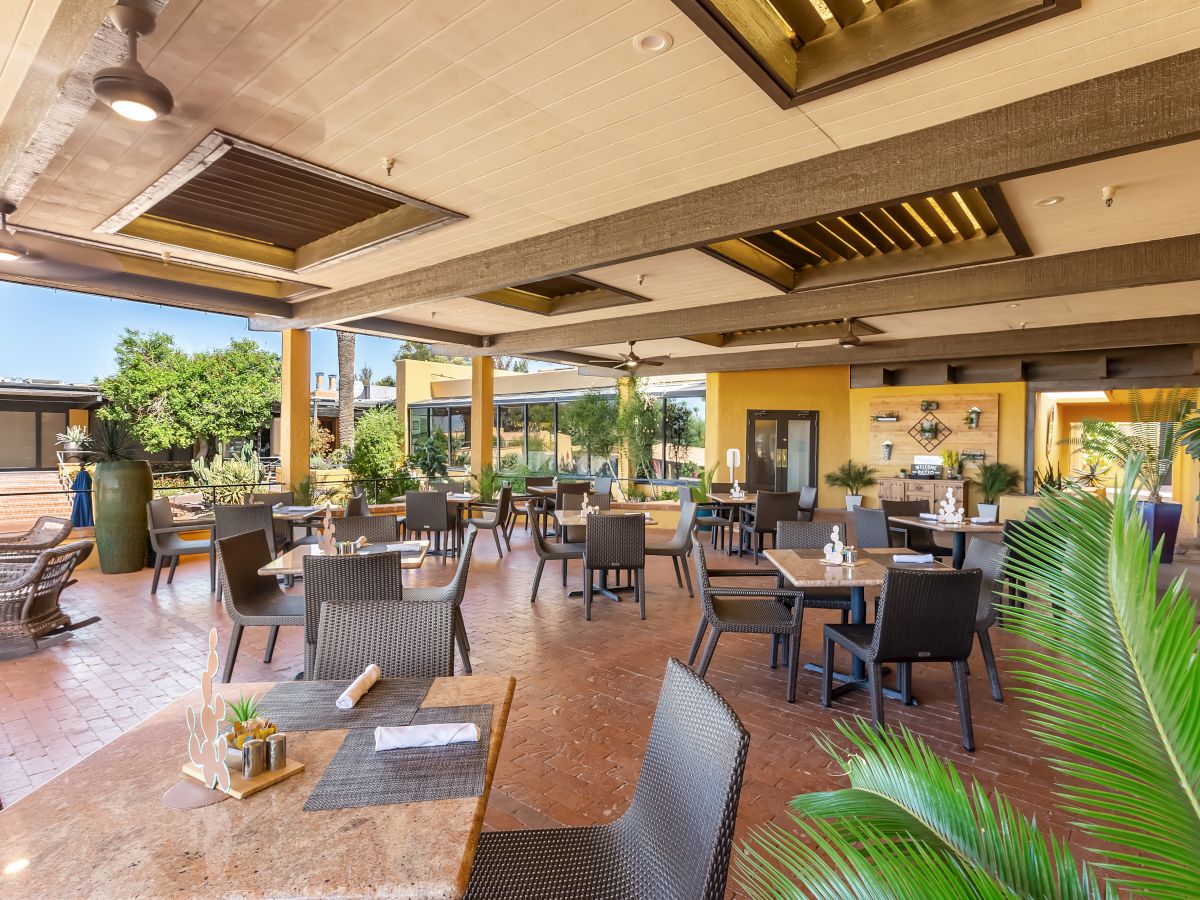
<point x="982" y="520"/>
<point x="400" y="737"/>
<point x="276" y="506"/>
<point x="930" y="516"/>
<point x="913" y="558"/>
<point x="358" y="687"/>
<point x="410" y="546"/>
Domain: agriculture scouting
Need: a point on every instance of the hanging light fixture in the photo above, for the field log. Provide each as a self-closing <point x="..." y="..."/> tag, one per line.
<point x="128" y="88"/>
<point x="11" y="250"/>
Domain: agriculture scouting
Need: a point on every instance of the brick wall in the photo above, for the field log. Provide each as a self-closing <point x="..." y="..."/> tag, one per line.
<point x="16" y="512"/>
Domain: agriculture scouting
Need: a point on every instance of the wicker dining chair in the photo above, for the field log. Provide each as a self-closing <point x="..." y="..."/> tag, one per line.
<point x="680" y="543"/>
<point x="674" y="840"/>
<point x="168" y="546"/>
<point x="919" y="540"/>
<point x="548" y="551"/>
<point x="746" y="610"/>
<point x="428" y="512"/>
<point x="282" y="528"/>
<point x="922" y="617"/>
<point x="47" y="532"/>
<point x="376" y="529"/>
<point x="615" y="542"/>
<point x="990" y="557"/>
<point x="871" y="528"/>
<point x="808" y="503"/>
<point x="252" y="599"/>
<point x="356" y="504"/>
<point x="230" y="520"/>
<point x="30" y="586"/>
<point x="539" y="480"/>
<point x="495" y="518"/>
<point x="714" y="518"/>
<point x="602" y="485"/>
<point x="770" y="508"/>
<point x="453" y="594"/>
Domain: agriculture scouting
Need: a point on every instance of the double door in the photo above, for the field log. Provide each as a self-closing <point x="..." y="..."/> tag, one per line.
<point x="781" y="449"/>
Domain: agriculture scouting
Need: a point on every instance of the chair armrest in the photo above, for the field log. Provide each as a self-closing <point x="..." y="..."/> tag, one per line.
<point x="742" y="573"/>
<point x="774" y="594"/>
<point x="179" y="529"/>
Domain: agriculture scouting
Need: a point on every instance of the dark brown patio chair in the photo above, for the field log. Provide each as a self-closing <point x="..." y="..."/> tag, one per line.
<point x="250" y="598"/>
<point x="30" y="586"/>
<point x="808" y="503"/>
<point x="494" y="519"/>
<point x="452" y="594"/>
<point x="771" y="508"/>
<point x="808" y="536"/>
<point x="376" y="529"/>
<point x="922" y="617"/>
<point x="168" y="546"/>
<point x="871" y="528"/>
<point x="990" y="558"/>
<point x="919" y="540"/>
<point x="47" y="532"/>
<point x="674" y="840"/>
<point x="548" y="551"/>
<point x="282" y="528"/>
<point x="615" y="543"/>
<point x="715" y="519"/>
<point x="746" y="610"/>
<point x="356" y="504"/>
<point x="680" y="543"/>
<point x="428" y="513"/>
<point x="230" y="520"/>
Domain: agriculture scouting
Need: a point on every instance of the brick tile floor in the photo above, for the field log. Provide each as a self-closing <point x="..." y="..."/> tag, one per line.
<point x="585" y="691"/>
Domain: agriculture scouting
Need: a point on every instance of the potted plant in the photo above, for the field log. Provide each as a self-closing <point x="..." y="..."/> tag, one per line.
<point x="121" y="488"/>
<point x="703" y="486"/>
<point x="853" y="477"/>
<point x="490" y="482"/>
<point x="953" y="463"/>
<point x="1154" y="435"/>
<point x="246" y="723"/>
<point x="995" y="479"/>
<point x="74" y="439"/>
<point x="430" y="455"/>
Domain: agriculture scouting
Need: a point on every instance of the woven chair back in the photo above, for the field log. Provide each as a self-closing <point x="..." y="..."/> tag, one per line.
<point x="356" y="504"/>
<point x="615" y="542"/>
<point x="239" y="557"/>
<point x="870" y="527"/>
<point x="773" y="507"/>
<point x="231" y="520"/>
<point x="426" y="511"/>
<point x="376" y="529"/>
<point x="365" y="578"/>
<point x="406" y="640"/>
<point x="802" y="535"/>
<point x="926" y="615"/>
<point x="989" y="557"/>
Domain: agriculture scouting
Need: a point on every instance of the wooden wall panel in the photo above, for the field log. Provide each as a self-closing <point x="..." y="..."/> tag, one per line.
<point x="950" y="412"/>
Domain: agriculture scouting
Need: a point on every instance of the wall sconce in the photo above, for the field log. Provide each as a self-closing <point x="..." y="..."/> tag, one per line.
<point x="887" y="450"/>
<point x="971" y="419"/>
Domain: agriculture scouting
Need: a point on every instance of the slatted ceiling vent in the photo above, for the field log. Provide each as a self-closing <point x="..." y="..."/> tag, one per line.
<point x="799" y="50"/>
<point x="555" y="296"/>
<point x="237" y="199"/>
<point x="941" y="231"/>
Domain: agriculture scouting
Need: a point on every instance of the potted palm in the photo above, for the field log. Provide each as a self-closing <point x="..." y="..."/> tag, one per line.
<point x="994" y="480"/>
<point x="1154" y="435"/>
<point x="853" y="477"/>
<point x="121" y="488"/>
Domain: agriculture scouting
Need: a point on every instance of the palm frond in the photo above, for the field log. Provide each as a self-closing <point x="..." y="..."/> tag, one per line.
<point x="1114" y="682"/>
<point x="908" y="815"/>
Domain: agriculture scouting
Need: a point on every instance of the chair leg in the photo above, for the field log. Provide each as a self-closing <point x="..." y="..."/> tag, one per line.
<point x="793" y="664"/>
<point x="496" y="537"/>
<point x="708" y="651"/>
<point x="904" y="682"/>
<point x="212" y="569"/>
<point x="537" y="579"/>
<point x="640" y="579"/>
<point x="507" y="535"/>
<point x="678" y="576"/>
<point x="687" y="577"/>
<point x="564" y="572"/>
<point x="827" y="676"/>
<point x="158" y="561"/>
<point x="989" y="659"/>
<point x="587" y="593"/>
<point x="271" y="644"/>
<point x="964" y="705"/>
<point x="775" y="639"/>
<point x="874" y="677"/>
<point x="460" y="638"/>
<point x="699" y="637"/>
<point x="171" y="571"/>
<point x="235" y="641"/>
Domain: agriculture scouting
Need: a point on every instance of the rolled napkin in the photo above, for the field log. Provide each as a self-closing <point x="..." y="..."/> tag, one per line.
<point x="912" y="558"/>
<point x="358" y="687"/>
<point x="929" y="516"/>
<point x="982" y="520"/>
<point x="401" y="737"/>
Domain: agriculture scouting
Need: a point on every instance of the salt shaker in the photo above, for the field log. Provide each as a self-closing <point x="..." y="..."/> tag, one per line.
<point x="254" y="758"/>
<point x="276" y="751"/>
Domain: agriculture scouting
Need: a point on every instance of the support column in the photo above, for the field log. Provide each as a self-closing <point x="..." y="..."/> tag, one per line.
<point x="294" y="408"/>
<point x="483" y="412"/>
<point x="625" y="388"/>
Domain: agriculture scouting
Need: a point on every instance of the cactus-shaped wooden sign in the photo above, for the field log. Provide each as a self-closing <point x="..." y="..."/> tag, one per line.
<point x="206" y="747"/>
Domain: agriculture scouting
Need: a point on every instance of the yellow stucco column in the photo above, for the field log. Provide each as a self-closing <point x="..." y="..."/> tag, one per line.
<point x="625" y="388"/>
<point x="294" y="408"/>
<point x="483" y="412"/>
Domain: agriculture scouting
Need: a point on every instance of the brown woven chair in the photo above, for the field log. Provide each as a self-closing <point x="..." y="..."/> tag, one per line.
<point x="808" y="503"/>
<point x="615" y="542"/>
<point x="990" y="557"/>
<point x="376" y="529"/>
<point x="428" y="513"/>
<point x="47" y="532"/>
<point x="747" y="611"/>
<point x="871" y="528"/>
<point x="673" y="842"/>
<point x="230" y="520"/>
<point x="548" y="551"/>
<point x="30" y="586"/>
<point x="716" y="519"/>
<point x="680" y="544"/>
<point x="452" y="594"/>
<point x="771" y="508"/>
<point x="282" y="528"/>
<point x="167" y="544"/>
<point x="356" y="614"/>
<point x="356" y="504"/>
<point x="252" y="599"/>
<point x="922" y="617"/>
<point x="495" y="519"/>
<point x="919" y="540"/>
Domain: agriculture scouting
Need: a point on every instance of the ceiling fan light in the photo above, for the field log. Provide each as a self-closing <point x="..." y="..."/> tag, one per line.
<point x="11" y="254"/>
<point x="132" y="92"/>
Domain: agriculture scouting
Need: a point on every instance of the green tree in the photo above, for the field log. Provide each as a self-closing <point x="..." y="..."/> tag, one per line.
<point x="639" y="421"/>
<point x="378" y="438"/>
<point x="424" y="353"/>
<point x="386" y="381"/>
<point x="591" y="423"/>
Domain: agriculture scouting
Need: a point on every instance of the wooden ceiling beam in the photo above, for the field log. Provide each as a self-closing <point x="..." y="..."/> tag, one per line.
<point x="1166" y="261"/>
<point x="1112" y="115"/>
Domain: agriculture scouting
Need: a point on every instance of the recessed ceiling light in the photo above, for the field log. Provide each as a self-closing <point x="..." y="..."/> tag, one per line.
<point x="128" y="88"/>
<point x="653" y="42"/>
<point x="1048" y="201"/>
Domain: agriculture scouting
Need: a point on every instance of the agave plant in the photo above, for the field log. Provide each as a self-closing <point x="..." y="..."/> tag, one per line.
<point x="1114" y="691"/>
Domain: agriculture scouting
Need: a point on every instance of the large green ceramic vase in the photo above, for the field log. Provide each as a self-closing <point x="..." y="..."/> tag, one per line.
<point x="121" y="490"/>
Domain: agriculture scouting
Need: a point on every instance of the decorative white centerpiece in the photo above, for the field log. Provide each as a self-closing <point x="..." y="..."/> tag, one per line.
<point x="585" y="510"/>
<point x="325" y="539"/>
<point x="949" y="512"/>
<point x="833" y="550"/>
<point x="206" y="746"/>
<point x="736" y="490"/>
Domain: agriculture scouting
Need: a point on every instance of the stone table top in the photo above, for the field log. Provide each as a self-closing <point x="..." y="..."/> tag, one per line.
<point x="100" y="829"/>
<point x="806" y="568"/>
<point x="291" y="562"/>
<point x="725" y="499"/>
<point x="932" y="525"/>
<point x="572" y="518"/>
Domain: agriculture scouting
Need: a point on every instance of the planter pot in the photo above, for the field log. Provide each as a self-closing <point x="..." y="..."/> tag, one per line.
<point x="71" y="452"/>
<point x="989" y="511"/>
<point x="1163" y="521"/>
<point x="853" y="500"/>
<point x="121" y="491"/>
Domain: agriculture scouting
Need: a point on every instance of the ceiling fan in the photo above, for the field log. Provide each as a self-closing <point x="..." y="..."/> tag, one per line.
<point x="32" y="254"/>
<point x="849" y="340"/>
<point x="632" y="361"/>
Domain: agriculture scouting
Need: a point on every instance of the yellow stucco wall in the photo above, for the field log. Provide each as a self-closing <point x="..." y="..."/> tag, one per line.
<point x="825" y="389"/>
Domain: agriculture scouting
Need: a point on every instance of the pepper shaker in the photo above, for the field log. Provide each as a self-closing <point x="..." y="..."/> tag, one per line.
<point x="276" y="751"/>
<point x="254" y="758"/>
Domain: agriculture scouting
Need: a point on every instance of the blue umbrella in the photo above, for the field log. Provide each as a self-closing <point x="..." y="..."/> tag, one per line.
<point x="81" y="507"/>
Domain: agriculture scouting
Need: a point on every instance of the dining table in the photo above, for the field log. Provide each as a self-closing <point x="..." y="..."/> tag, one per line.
<point x="959" y="530"/>
<point x="735" y="504"/>
<point x="101" y="828"/>
<point x="808" y="570"/>
<point x="573" y="518"/>
<point x="291" y="561"/>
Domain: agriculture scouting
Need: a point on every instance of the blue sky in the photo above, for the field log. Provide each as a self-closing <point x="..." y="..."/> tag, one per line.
<point x="70" y="337"/>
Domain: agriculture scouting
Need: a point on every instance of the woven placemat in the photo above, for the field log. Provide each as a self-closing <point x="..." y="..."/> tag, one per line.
<point x="311" y="705"/>
<point x="358" y="776"/>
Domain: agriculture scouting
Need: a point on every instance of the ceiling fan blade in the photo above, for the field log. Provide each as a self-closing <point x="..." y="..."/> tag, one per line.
<point x="61" y="260"/>
<point x="652" y="361"/>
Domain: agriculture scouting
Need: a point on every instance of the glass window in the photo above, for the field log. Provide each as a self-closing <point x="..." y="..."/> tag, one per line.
<point x="683" y="420"/>
<point x="53" y="424"/>
<point x="541" y="437"/>
<point x="418" y="426"/>
<point x="571" y="460"/>
<point x="439" y="421"/>
<point x="18" y="449"/>
<point x="460" y="437"/>
<point x="511" y="435"/>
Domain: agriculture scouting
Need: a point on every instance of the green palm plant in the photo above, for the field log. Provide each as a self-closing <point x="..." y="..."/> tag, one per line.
<point x="1114" y="692"/>
<point x="1155" y="433"/>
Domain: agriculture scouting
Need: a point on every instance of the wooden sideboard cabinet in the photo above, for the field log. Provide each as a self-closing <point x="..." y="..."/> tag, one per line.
<point x="918" y="489"/>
